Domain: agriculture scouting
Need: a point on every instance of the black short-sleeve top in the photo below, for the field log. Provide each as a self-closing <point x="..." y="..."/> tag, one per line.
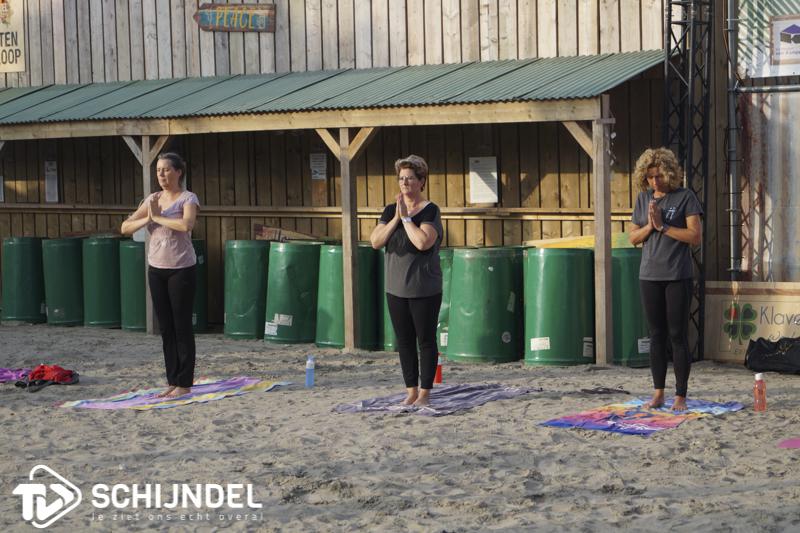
<point x="411" y="273"/>
<point x="664" y="258"/>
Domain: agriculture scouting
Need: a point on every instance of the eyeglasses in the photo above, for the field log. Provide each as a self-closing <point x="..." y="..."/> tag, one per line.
<point x="406" y="178"/>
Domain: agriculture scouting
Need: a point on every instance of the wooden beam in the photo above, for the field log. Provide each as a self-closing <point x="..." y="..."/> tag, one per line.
<point x="155" y="149"/>
<point x="349" y="244"/>
<point x="361" y="141"/>
<point x="490" y="113"/>
<point x="604" y="327"/>
<point x="582" y="135"/>
<point x="151" y="323"/>
<point x="329" y="141"/>
<point x="134" y="146"/>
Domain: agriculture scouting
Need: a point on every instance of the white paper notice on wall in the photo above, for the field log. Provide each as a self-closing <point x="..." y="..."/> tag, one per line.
<point x="483" y="180"/>
<point x="319" y="165"/>
<point x="50" y="181"/>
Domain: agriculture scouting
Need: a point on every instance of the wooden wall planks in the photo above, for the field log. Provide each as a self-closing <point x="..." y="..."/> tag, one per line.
<point x="71" y="41"/>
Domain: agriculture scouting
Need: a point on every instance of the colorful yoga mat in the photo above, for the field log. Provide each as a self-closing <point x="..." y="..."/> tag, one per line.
<point x="631" y="418"/>
<point x="204" y="390"/>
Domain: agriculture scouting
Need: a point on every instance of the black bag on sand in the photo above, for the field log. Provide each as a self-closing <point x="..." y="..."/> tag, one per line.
<point x="767" y="356"/>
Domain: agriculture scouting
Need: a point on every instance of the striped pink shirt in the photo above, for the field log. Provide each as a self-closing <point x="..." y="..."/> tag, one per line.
<point x="170" y="248"/>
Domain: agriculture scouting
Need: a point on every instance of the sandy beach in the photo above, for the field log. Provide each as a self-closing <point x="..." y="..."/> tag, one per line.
<point x="492" y="468"/>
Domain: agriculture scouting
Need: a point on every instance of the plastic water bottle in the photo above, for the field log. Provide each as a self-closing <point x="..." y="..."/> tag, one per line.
<point x="310" y="372"/>
<point x="759" y="394"/>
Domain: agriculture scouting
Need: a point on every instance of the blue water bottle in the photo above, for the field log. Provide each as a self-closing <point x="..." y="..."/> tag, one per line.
<point x="310" y="372"/>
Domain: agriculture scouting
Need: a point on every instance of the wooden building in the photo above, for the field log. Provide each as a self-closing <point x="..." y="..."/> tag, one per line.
<point x="264" y="177"/>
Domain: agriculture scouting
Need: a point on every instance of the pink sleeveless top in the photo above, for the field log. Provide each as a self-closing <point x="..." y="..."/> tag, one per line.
<point x="170" y="248"/>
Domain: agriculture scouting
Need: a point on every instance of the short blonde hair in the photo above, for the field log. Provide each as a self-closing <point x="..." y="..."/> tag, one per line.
<point x="415" y="163"/>
<point x="665" y="161"/>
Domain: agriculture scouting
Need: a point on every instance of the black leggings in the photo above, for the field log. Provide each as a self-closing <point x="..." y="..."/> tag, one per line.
<point x="414" y="321"/>
<point x="172" y="290"/>
<point x="666" y="305"/>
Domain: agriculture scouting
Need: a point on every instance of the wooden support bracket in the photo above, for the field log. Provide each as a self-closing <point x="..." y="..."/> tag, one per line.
<point x="582" y="134"/>
<point x="360" y="142"/>
<point x="330" y="142"/>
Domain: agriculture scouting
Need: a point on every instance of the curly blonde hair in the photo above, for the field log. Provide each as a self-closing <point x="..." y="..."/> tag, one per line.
<point x="665" y="161"/>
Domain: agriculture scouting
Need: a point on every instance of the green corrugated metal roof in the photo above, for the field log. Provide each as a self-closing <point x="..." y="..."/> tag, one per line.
<point x="480" y="82"/>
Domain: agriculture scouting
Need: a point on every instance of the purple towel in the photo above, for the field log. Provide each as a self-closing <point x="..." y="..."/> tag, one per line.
<point x="203" y="390"/>
<point x="13" y="374"/>
<point x="445" y="400"/>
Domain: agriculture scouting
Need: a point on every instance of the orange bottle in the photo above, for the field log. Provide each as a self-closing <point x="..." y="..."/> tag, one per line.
<point x="759" y="394"/>
<point x="437" y="378"/>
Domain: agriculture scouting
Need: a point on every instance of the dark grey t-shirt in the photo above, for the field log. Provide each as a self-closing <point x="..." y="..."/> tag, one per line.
<point x="664" y="258"/>
<point x="409" y="272"/>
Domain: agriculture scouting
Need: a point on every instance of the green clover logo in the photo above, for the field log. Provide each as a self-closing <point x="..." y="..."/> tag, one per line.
<point x="740" y="322"/>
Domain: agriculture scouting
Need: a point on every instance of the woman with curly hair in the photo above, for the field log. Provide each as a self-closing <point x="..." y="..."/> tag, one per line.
<point x="666" y="221"/>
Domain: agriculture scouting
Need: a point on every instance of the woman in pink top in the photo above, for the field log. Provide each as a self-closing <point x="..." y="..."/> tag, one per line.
<point x="169" y="217"/>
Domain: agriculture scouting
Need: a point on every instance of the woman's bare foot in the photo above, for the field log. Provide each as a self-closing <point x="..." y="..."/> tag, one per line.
<point x="166" y="392"/>
<point x="657" y="400"/>
<point x="679" y="404"/>
<point x="177" y="392"/>
<point x="412" y="393"/>
<point x="424" y="398"/>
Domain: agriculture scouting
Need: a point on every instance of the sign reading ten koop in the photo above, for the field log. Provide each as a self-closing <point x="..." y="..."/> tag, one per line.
<point x="12" y="36"/>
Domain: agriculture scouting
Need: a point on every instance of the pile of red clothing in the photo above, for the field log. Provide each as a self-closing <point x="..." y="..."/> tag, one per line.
<point x="44" y="375"/>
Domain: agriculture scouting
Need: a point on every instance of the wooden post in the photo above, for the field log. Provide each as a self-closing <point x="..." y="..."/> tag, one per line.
<point x="145" y="152"/>
<point x="151" y="323"/>
<point x="601" y="139"/>
<point x="349" y="243"/>
<point x="346" y="152"/>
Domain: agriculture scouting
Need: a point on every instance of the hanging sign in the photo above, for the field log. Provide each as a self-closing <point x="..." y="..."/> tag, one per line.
<point x="236" y="17"/>
<point x="769" y="38"/>
<point x="12" y="36"/>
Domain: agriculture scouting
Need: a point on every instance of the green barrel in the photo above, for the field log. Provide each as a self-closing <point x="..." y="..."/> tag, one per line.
<point x="330" y="298"/>
<point x="200" y="306"/>
<point x="133" y="315"/>
<point x="387" y="338"/>
<point x="292" y="292"/>
<point x="446" y="264"/>
<point x="101" y="304"/>
<point x="559" y="306"/>
<point x="246" y="265"/>
<point x="62" y="262"/>
<point x="23" y="281"/>
<point x="631" y="337"/>
<point x="483" y="323"/>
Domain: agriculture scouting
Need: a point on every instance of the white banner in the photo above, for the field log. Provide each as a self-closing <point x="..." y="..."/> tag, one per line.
<point x="769" y="38"/>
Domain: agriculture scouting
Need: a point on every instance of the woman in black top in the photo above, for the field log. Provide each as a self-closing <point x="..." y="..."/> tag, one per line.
<point x="411" y="230"/>
<point x="666" y="220"/>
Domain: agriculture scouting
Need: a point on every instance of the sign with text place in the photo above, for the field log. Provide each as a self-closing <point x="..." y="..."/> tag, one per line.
<point x="236" y="17"/>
